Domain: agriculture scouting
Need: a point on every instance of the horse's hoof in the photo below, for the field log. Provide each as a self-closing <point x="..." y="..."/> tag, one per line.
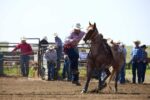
<point x="95" y="90"/>
<point x="83" y="91"/>
<point x="114" y="90"/>
<point x="103" y="86"/>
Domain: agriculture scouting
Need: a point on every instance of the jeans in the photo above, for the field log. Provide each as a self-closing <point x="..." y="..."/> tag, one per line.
<point x="51" y="71"/>
<point x="59" y="55"/>
<point x="143" y="71"/>
<point x="73" y="55"/>
<point x="24" y="62"/>
<point x="66" y="69"/>
<point x="137" y="66"/>
<point x="122" y="73"/>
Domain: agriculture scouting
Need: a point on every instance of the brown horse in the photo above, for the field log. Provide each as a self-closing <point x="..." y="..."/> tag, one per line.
<point x="101" y="56"/>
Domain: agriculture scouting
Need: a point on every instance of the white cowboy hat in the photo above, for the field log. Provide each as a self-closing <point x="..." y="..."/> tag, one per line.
<point x="55" y="34"/>
<point x="23" y="39"/>
<point x="77" y="26"/>
<point x="51" y="47"/>
<point x="45" y="37"/>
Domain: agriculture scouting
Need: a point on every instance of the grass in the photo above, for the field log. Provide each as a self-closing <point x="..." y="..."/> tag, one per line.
<point x="15" y="71"/>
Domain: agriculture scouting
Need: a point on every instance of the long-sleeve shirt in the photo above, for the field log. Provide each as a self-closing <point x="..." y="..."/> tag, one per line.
<point x="51" y="55"/>
<point x="58" y="41"/>
<point x="74" y="38"/>
<point x="136" y="54"/>
<point x="144" y="56"/>
<point x="25" y="48"/>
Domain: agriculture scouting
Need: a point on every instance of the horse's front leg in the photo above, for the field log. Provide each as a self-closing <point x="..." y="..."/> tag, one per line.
<point x="102" y="83"/>
<point x="89" y="73"/>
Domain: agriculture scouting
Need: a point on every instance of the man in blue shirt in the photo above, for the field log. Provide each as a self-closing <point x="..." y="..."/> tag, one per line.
<point x="136" y="62"/>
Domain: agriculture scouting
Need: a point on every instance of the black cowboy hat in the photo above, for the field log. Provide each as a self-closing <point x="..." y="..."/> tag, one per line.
<point x="143" y="46"/>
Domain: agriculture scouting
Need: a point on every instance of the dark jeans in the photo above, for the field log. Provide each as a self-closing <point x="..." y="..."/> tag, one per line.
<point x="66" y="69"/>
<point x="137" y="67"/>
<point x="73" y="55"/>
<point x="143" y="71"/>
<point x="24" y="62"/>
<point x="51" y="71"/>
<point x="59" y="55"/>
<point x="122" y="73"/>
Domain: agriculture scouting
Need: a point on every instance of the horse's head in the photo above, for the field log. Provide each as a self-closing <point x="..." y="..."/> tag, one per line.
<point x="91" y="32"/>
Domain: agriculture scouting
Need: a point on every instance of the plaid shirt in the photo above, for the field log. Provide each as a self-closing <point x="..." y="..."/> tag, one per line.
<point x="137" y="54"/>
<point x="74" y="38"/>
<point x="51" y="56"/>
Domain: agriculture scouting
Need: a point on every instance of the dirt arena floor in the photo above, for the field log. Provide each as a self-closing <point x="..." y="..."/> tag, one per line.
<point x="18" y="88"/>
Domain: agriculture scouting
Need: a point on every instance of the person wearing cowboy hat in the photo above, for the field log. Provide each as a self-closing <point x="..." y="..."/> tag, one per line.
<point x="136" y="55"/>
<point x="51" y="57"/>
<point x="59" y="47"/>
<point x="70" y="48"/>
<point x="43" y="44"/>
<point x="25" y="50"/>
<point x="144" y="62"/>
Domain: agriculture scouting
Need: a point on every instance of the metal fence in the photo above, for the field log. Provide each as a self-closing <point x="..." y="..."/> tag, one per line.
<point x="9" y="60"/>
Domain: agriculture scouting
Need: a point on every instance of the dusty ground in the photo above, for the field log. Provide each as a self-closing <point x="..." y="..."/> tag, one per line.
<point x="17" y="88"/>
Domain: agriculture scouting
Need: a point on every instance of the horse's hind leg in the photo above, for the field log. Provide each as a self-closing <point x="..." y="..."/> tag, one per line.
<point x="108" y="84"/>
<point x="116" y="81"/>
<point x="89" y="73"/>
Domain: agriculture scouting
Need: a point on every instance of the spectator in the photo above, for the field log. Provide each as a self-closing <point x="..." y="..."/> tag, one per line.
<point x="70" y="48"/>
<point x="58" y="43"/>
<point x="66" y="68"/>
<point x="25" y="50"/>
<point x="43" y="44"/>
<point x="136" y="63"/>
<point x="144" y="62"/>
<point x="122" y="70"/>
<point x="51" y="58"/>
<point x="42" y="47"/>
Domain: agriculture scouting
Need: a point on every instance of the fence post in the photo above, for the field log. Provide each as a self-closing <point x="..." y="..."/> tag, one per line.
<point x="1" y="64"/>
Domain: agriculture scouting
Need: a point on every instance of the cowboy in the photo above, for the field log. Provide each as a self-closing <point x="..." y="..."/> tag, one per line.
<point x="136" y="54"/>
<point x="58" y="43"/>
<point x="25" y="50"/>
<point x="70" y="48"/>
<point x="123" y="67"/>
<point x="43" y="44"/>
<point x="51" y="58"/>
<point x="144" y="62"/>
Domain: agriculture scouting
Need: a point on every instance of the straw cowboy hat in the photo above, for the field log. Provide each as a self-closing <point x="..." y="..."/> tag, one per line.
<point x="137" y="42"/>
<point x="50" y="47"/>
<point x="77" y="26"/>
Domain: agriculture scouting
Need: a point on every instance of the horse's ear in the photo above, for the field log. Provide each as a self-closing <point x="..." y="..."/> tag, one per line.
<point x="90" y="23"/>
<point x="94" y="25"/>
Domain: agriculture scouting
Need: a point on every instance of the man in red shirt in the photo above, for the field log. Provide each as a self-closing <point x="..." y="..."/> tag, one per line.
<point x="25" y="50"/>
